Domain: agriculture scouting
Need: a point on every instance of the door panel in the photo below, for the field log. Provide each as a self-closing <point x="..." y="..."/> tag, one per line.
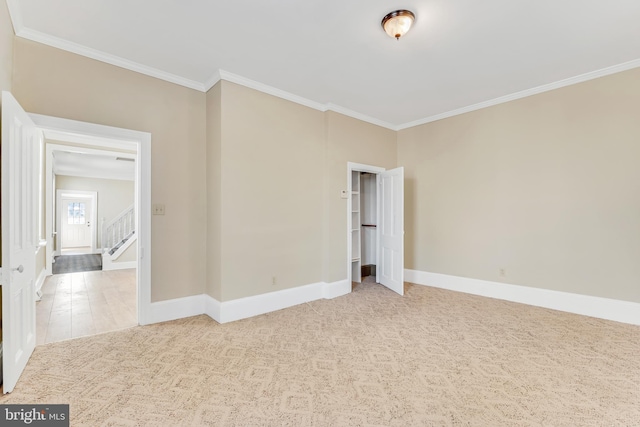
<point x="76" y="223"/>
<point x="391" y="229"/>
<point x="20" y="148"/>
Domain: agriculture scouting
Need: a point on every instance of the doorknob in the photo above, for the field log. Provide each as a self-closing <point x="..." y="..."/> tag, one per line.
<point x="20" y="269"/>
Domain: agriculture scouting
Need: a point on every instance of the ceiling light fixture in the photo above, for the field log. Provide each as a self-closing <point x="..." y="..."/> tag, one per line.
<point x="398" y="22"/>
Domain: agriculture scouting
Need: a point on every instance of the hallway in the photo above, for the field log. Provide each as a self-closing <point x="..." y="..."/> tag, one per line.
<point x="87" y="303"/>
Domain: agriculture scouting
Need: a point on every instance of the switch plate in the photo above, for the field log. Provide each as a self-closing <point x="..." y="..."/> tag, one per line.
<point x="158" y="209"/>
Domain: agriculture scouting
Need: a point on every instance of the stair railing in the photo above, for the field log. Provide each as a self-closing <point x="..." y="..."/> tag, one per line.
<point x="119" y="229"/>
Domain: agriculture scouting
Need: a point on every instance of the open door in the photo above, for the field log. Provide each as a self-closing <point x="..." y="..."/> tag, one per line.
<point x="20" y="145"/>
<point x="391" y="229"/>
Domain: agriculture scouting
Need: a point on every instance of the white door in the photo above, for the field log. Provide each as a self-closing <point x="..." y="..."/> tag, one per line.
<point x="390" y="269"/>
<point x="76" y="222"/>
<point x="20" y="145"/>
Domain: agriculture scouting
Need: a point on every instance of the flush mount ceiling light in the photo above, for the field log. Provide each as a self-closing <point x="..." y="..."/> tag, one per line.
<point x="398" y="22"/>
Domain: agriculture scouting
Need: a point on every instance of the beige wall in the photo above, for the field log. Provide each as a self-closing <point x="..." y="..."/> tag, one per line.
<point x="6" y="47"/>
<point x="546" y="187"/>
<point x="114" y="196"/>
<point x="57" y="83"/>
<point x="272" y="185"/>
<point x="275" y="170"/>
<point x="349" y="140"/>
<point x="214" y="191"/>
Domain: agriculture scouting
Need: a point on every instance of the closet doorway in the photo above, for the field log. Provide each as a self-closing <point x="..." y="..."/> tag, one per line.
<point x="375" y="225"/>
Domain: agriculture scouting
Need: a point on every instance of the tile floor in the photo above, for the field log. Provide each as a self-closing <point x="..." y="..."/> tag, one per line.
<point x="86" y="303"/>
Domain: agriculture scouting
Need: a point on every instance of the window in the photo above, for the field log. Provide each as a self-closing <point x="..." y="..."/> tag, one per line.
<point x="75" y="214"/>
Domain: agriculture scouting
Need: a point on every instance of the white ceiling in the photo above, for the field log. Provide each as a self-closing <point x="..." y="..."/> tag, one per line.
<point x="75" y="163"/>
<point x="333" y="54"/>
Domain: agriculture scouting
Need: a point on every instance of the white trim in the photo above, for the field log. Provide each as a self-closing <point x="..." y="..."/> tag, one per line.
<point x="212" y="81"/>
<point x="20" y="30"/>
<point x="243" y="308"/>
<point x="179" y="308"/>
<point x="270" y="90"/>
<point x="37" y="36"/>
<point x="526" y="93"/>
<point x="586" y="305"/>
<point x="140" y="143"/>
<point x="351" y="166"/>
<point x="354" y="114"/>
<point x="336" y="289"/>
<point x="39" y="282"/>
<point x="96" y="135"/>
<point x="15" y="13"/>
<point x="212" y="307"/>
<point x="261" y="87"/>
<point x="108" y="265"/>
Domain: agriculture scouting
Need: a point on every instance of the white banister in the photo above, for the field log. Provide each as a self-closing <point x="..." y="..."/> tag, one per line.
<point x="118" y="230"/>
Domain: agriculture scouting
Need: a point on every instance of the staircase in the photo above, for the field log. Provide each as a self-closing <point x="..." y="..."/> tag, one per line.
<point x="117" y="236"/>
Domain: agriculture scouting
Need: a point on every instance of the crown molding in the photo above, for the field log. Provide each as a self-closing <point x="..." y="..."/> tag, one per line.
<point x="270" y="90"/>
<point x="29" y="34"/>
<point x="15" y="14"/>
<point x="526" y="93"/>
<point x="359" y="116"/>
<point x="261" y="87"/>
<point x="72" y="47"/>
<point x="213" y="80"/>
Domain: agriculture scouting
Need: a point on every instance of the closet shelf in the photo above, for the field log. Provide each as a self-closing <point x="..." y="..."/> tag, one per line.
<point x="355" y="259"/>
<point x="355" y="229"/>
<point x="355" y="192"/>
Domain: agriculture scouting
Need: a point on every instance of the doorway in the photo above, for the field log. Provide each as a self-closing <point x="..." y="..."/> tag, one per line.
<point x="93" y="286"/>
<point x="375" y="225"/>
<point x="23" y="226"/>
<point x="76" y="219"/>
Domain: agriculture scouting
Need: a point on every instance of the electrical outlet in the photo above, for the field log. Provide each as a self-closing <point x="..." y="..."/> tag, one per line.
<point x="273" y="281"/>
<point x="503" y="272"/>
<point x="158" y="209"/>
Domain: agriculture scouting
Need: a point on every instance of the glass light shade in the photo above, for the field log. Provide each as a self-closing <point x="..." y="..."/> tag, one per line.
<point x="397" y="23"/>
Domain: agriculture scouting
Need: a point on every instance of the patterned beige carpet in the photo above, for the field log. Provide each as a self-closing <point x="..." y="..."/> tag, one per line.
<point x="371" y="358"/>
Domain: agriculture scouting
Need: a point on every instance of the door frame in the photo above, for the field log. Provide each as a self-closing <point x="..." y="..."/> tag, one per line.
<point x="359" y="167"/>
<point x="89" y="137"/>
<point x="83" y="195"/>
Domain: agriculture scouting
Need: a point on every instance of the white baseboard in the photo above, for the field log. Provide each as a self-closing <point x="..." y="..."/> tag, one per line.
<point x="212" y="307"/>
<point x="602" y="308"/>
<point x="109" y="266"/>
<point x="163" y="311"/>
<point x="336" y="289"/>
<point x="39" y="282"/>
<point x="242" y="308"/>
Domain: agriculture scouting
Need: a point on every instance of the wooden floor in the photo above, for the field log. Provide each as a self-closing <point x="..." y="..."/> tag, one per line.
<point x="87" y="303"/>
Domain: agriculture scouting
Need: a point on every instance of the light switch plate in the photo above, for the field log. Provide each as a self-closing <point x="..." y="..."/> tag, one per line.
<point x="158" y="209"/>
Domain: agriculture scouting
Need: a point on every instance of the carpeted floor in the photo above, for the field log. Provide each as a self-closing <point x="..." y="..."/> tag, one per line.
<point x="371" y="358"/>
<point x="76" y="263"/>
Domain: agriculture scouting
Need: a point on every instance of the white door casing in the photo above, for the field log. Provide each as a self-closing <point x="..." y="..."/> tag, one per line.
<point x="94" y="139"/>
<point x="20" y="147"/>
<point x="391" y="229"/>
